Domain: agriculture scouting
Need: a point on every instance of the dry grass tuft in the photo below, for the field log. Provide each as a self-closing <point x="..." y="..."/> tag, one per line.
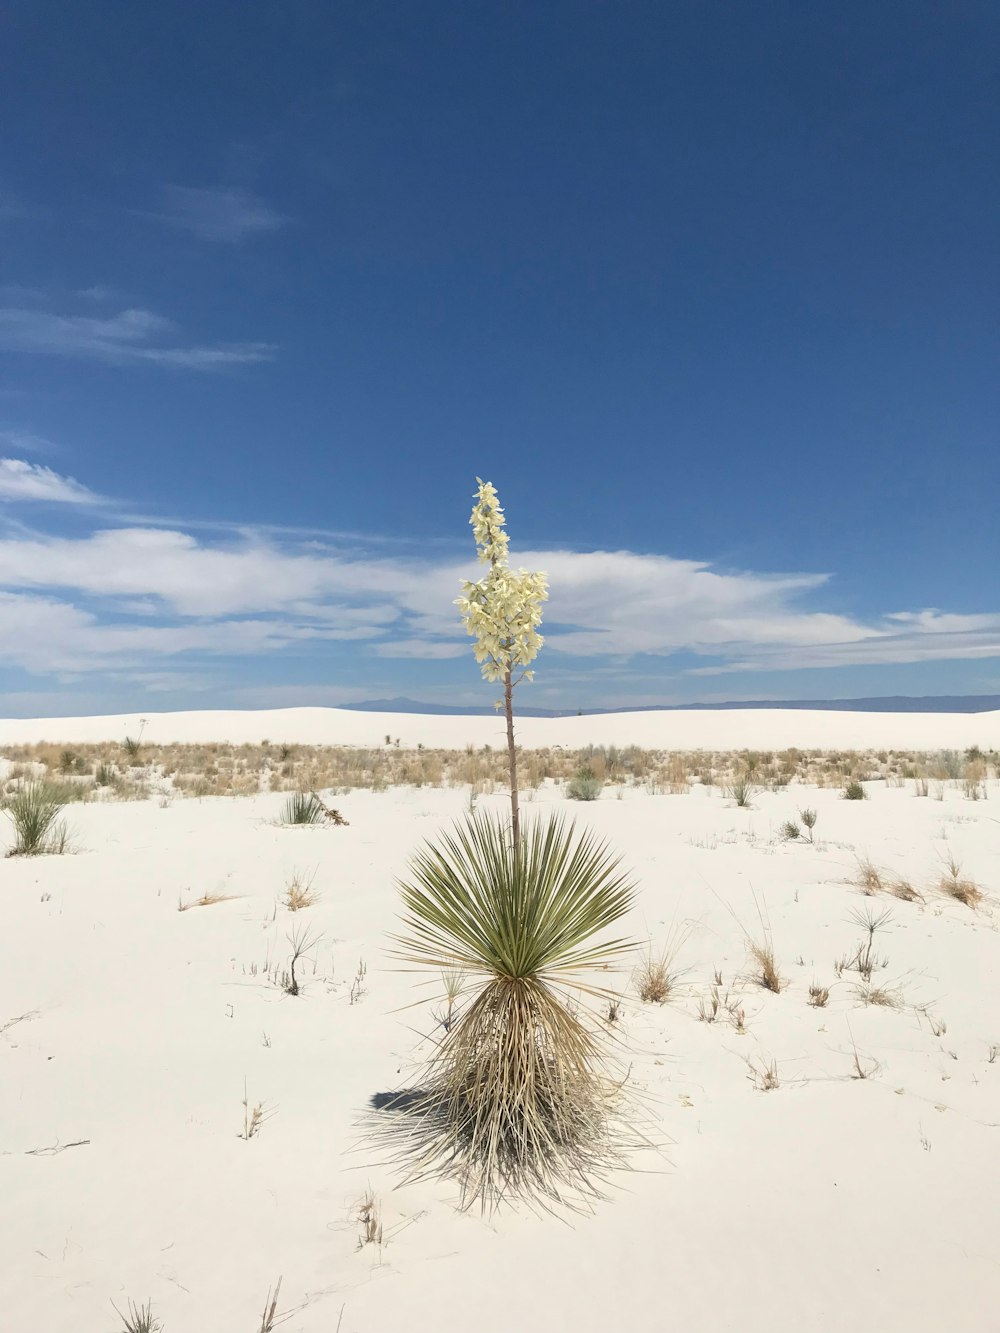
<point x="253" y="1117"/>
<point x="206" y="900"/>
<point x="878" y="995"/>
<point x="954" y="885"/>
<point x="708" y="1010"/>
<point x="818" y="996"/>
<point x="300" y="893"/>
<point x="764" y="1077"/>
<point x="270" y="1314"/>
<point x="370" y="1221"/>
<point x="762" y="952"/>
<point x="869" y="878"/>
<point x="656" y="977"/>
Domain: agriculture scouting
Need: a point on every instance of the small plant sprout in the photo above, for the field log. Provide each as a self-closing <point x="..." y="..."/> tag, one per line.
<point x="737" y="1015"/>
<point x="808" y="818"/>
<point x="369" y="1220"/>
<point x="302" y="942"/>
<point x="614" y="1010"/>
<point x="132" y="745"/>
<point x="708" y="1009"/>
<point x="358" y="987"/>
<point x="453" y="979"/>
<point x="253" y="1117"/>
<point x="864" y="1066"/>
<point x="764" y="1076"/>
<point x="269" y="1318"/>
<point x="865" y="960"/>
<point x="502" y="613"/>
<point x="138" y="1318"/>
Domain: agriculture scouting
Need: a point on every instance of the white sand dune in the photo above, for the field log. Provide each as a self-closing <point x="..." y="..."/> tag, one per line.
<point x="130" y="1033"/>
<point x="717" y="729"/>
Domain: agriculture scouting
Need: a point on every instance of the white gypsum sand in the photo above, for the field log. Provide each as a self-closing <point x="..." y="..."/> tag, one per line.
<point x="131" y="1033"/>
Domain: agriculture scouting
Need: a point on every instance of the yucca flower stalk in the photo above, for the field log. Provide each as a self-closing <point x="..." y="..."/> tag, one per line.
<point x="515" y="1091"/>
<point x="502" y="611"/>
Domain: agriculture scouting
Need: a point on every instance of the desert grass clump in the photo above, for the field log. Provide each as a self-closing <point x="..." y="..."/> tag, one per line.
<point x="742" y="790"/>
<point x="515" y="1098"/>
<point x="764" y="1076"/>
<point x="819" y="996"/>
<point x="208" y="899"/>
<point x="953" y="884"/>
<point x="790" y="830"/>
<point x="138" y="1318"/>
<point x="869" y="877"/>
<point x="762" y="952"/>
<point x="584" y="785"/>
<point x="253" y="1118"/>
<point x="34" y="811"/>
<point x="300" y="894"/>
<point x="303" y="807"/>
<point x="882" y="996"/>
<point x="854" y="791"/>
<point x="655" y="978"/>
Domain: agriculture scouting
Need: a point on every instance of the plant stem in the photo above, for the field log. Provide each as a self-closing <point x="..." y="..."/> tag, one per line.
<point x="508" y="703"/>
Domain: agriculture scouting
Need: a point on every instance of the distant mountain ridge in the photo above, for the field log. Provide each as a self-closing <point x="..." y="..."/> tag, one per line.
<point x="899" y="703"/>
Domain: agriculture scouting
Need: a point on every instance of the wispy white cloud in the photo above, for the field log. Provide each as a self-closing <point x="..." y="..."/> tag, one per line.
<point x="223" y="215"/>
<point x="20" y="480"/>
<point x="132" y="596"/>
<point x="25" y="442"/>
<point x="133" y="336"/>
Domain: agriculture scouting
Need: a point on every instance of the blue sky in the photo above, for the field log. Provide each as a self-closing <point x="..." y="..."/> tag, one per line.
<point x="710" y="291"/>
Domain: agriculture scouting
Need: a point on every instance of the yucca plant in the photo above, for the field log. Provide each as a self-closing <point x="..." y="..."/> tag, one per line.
<point x="34" y="811"/>
<point x="516" y="1099"/>
<point x="303" y="807"/>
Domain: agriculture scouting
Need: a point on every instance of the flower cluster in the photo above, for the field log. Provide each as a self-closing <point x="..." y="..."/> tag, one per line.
<point x="503" y="610"/>
<point x="488" y="524"/>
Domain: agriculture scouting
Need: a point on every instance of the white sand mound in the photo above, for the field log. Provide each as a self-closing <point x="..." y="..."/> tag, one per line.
<point x="717" y="729"/>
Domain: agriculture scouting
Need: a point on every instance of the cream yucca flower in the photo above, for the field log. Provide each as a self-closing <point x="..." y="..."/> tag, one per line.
<point x="502" y="611"/>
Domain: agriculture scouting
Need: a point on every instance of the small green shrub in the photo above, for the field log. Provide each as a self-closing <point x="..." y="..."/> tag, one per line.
<point x="854" y="791"/>
<point x="34" y="811"/>
<point x="302" y="807"/>
<point x="584" y="785"/>
<point x="790" y="830"/>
